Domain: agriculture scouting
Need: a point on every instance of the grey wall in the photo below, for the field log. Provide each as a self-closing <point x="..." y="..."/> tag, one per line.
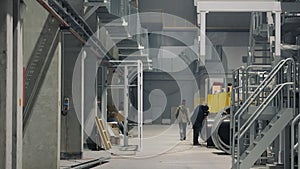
<point x="234" y="45"/>
<point x="225" y="49"/>
<point x="228" y="38"/>
<point x="163" y="89"/>
<point x="230" y="21"/>
<point x="184" y="9"/>
<point x="34" y="19"/>
<point x="171" y="91"/>
<point x="42" y="136"/>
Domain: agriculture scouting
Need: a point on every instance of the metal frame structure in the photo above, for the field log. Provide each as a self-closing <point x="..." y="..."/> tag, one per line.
<point x="126" y="64"/>
<point x="203" y="7"/>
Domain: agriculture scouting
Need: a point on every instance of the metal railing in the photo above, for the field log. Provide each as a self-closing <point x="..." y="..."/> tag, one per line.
<point x="295" y="145"/>
<point x="237" y="90"/>
<point x="240" y="131"/>
<point x="259" y="75"/>
<point x="238" y="87"/>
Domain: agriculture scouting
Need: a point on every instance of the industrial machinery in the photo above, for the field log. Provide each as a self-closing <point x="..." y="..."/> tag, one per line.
<point x="218" y="131"/>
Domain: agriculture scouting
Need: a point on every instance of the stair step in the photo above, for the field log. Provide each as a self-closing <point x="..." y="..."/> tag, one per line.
<point x="261" y="38"/>
<point x="262" y="50"/>
<point x="127" y="43"/>
<point x="96" y="1"/>
<point x="257" y="64"/>
<point x="270" y="132"/>
<point x="116" y="30"/>
<point x="262" y="42"/>
<point x="133" y="55"/>
<point x="262" y="57"/>
<point x="130" y="47"/>
<point x="116" y="24"/>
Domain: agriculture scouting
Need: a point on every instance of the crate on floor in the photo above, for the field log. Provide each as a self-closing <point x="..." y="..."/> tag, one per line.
<point x="114" y="135"/>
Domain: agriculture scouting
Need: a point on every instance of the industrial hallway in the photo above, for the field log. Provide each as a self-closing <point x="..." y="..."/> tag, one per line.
<point x="113" y="83"/>
<point x="161" y="150"/>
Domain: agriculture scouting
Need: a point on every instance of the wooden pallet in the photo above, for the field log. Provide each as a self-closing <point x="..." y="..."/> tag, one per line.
<point x="103" y="134"/>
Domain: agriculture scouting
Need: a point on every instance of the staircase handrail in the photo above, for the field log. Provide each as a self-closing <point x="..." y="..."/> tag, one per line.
<point x="263" y="84"/>
<point x="247" y="76"/>
<point x="237" y="72"/>
<point x="242" y="130"/>
<point x="252" y="97"/>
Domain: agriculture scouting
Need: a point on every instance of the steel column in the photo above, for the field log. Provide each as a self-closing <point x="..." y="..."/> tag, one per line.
<point x="277" y="33"/>
<point x="6" y="83"/>
<point x="202" y="37"/>
<point x="140" y="103"/>
<point x="126" y="98"/>
<point x="17" y="119"/>
<point x="82" y="96"/>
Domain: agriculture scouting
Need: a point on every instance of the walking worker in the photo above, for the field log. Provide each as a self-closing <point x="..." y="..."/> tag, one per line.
<point x="182" y="116"/>
<point x="199" y="114"/>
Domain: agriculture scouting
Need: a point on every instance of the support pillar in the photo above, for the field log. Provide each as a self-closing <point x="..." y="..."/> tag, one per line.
<point x="287" y="147"/>
<point x="277" y="34"/>
<point x="71" y="128"/>
<point x="41" y="139"/>
<point x="41" y="143"/>
<point x="126" y="102"/>
<point x="17" y="119"/>
<point x="6" y="83"/>
<point x="82" y="97"/>
<point x="202" y="36"/>
<point x="104" y="93"/>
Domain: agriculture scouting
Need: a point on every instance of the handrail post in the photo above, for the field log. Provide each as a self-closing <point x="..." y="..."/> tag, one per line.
<point x="235" y="91"/>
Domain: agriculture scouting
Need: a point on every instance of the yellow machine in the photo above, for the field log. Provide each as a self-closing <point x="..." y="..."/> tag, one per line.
<point x="217" y="102"/>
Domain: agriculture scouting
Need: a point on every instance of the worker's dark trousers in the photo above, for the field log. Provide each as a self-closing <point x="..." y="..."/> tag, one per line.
<point x="196" y="132"/>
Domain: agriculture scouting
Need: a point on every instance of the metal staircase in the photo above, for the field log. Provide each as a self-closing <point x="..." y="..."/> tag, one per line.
<point x="70" y="20"/>
<point x="121" y="21"/>
<point x="38" y="65"/>
<point x="114" y="16"/>
<point x="264" y="96"/>
<point x="261" y="39"/>
<point x="271" y="113"/>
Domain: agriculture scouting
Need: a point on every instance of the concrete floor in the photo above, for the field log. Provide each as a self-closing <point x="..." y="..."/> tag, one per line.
<point x="161" y="149"/>
<point x="183" y="156"/>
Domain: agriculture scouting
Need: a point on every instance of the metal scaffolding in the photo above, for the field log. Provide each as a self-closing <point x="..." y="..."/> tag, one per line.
<point x="130" y="70"/>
